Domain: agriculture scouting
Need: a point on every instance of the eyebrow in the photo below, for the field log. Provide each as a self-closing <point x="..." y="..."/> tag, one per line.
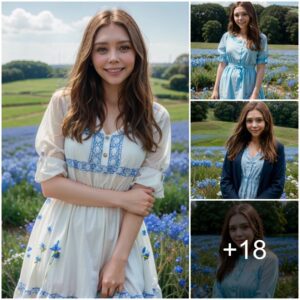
<point x="241" y="224"/>
<point x="106" y="43"/>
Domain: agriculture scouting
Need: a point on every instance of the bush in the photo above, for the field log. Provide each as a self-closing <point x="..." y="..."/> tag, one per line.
<point x="179" y="83"/>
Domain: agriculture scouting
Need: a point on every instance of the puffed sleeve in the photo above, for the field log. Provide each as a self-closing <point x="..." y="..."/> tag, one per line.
<point x="262" y="56"/>
<point x="222" y="49"/>
<point x="155" y="163"/>
<point x="49" y="141"/>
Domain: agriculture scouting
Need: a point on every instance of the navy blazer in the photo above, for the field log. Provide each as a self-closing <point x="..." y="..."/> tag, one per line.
<point x="272" y="178"/>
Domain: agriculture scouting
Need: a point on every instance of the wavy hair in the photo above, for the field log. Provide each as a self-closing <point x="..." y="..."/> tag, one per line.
<point x="87" y="94"/>
<point x="249" y="212"/>
<point x="241" y="136"/>
<point x="253" y="33"/>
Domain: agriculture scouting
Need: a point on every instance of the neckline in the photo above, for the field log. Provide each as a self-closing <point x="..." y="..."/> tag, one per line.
<point x="115" y="132"/>
<point x="252" y="157"/>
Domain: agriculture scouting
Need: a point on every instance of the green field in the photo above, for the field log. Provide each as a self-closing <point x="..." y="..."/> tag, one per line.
<point x="215" y="133"/>
<point x="196" y="45"/>
<point x="24" y="102"/>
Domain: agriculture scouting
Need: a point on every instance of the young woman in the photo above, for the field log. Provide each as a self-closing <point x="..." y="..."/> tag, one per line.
<point x="103" y="146"/>
<point x="238" y="276"/>
<point x="242" y="49"/>
<point x="254" y="165"/>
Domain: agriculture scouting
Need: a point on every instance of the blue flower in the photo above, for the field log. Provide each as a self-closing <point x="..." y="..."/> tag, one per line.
<point x="157" y="245"/>
<point x="56" y="250"/>
<point x="49" y="228"/>
<point x="182" y="282"/>
<point x="178" y="259"/>
<point x="178" y="269"/>
<point x="43" y="247"/>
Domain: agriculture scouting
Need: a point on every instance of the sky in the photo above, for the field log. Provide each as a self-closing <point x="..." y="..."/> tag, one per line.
<point x="51" y="31"/>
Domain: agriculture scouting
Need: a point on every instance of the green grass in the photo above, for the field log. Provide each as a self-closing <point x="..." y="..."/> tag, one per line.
<point x="196" y="45"/>
<point x="37" y="93"/>
<point x="22" y="111"/>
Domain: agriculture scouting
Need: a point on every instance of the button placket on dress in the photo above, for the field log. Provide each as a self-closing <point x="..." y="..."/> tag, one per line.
<point x="105" y="155"/>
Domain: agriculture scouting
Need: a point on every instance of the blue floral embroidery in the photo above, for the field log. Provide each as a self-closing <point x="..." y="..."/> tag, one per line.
<point x="115" y="150"/>
<point x="37" y="259"/>
<point x="125" y="294"/>
<point x="145" y="253"/>
<point x="114" y="160"/>
<point x="49" y="228"/>
<point x="38" y="292"/>
<point x="97" y="148"/>
<point x="48" y="201"/>
<point x="43" y="247"/>
<point x="39" y="217"/>
<point x="56" y="250"/>
<point x="144" y="232"/>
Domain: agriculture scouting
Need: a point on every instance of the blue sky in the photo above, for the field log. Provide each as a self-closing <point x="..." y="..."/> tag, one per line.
<point x="51" y="31"/>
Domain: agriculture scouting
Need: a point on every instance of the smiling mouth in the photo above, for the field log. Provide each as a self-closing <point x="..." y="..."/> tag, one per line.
<point x="114" y="70"/>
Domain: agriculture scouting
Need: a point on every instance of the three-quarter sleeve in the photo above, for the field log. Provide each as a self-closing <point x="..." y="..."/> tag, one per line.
<point x="155" y="163"/>
<point x="262" y="56"/>
<point x="268" y="276"/>
<point x="49" y="141"/>
<point x="222" y="49"/>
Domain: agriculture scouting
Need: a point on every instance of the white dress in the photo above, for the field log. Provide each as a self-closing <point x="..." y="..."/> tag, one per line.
<point x="69" y="244"/>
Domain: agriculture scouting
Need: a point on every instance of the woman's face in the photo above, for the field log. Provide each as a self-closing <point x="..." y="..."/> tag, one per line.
<point x="113" y="55"/>
<point x="240" y="230"/>
<point x="241" y="17"/>
<point x="255" y="123"/>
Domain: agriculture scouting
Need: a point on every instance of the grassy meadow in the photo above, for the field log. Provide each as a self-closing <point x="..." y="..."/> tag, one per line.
<point x="24" y="102"/>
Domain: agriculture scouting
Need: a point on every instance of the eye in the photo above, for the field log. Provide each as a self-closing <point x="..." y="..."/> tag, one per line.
<point x="101" y="50"/>
<point x="244" y="227"/>
<point x="249" y="121"/>
<point x="125" y="48"/>
<point x="232" y="228"/>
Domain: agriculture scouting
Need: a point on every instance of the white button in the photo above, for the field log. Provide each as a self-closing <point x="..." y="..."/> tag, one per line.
<point x="105" y="154"/>
<point x="107" y="137"/>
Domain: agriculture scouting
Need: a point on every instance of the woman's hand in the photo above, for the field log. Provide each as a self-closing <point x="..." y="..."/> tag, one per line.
<point x="112" y="277"/>
<point x="138" y="201"/>
<point x="215" y="95"/>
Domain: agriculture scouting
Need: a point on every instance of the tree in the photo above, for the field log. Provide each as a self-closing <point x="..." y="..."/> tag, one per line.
<point x="291" y="23"/>
<point x="212" y="31"/>
<point x="198" y="111"/>
<point x="278" y="12"/>
<point x="259" y="9"/>
<point x="228" y="111"/>
<point x="271" y="28"/>
<point x="284" y="114"/>
<point x="201" y="13"/>
<point x="291" y="215"/>
<point x="11" y="74"/>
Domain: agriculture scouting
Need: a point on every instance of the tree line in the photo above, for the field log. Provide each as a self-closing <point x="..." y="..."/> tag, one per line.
<point x="277" y="217"/>
<point x="279" y="23"/>
<point x="284" y="114"/>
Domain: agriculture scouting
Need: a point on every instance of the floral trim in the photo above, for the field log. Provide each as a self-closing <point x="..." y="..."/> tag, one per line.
<point x="97" y="148"/>
<point x="38" y="292"/>
<point x="115" y="150"/>
<point x="125" y="294"/>
<point x="114" y="160"/>
<point x="91" y="167"/>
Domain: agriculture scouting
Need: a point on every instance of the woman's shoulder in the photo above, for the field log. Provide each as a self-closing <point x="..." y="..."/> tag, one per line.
<point x="160" y="112"/>
<point x="271" y="257"/>
<point x="263" y="37"/>
<point x="226" y="35"/>
<point x="279" y="146"/>
<point x="61" y="100"/>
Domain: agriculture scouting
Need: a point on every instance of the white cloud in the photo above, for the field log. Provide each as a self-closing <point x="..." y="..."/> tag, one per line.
<point x="21" y="21"/>
<point x="82" y="23"/>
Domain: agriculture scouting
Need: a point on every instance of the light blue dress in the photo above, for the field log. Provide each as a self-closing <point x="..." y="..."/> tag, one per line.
<point x="251" y="170"/>
<point x="239" y="76"/>
<point x="250" y="278"/>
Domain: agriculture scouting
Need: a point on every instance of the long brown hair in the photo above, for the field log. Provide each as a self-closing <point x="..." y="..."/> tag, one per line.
<point x="253" y="33"/>
<point x="241" y="136"/>
<point x="87" y="94"/>
<point x="250" y="213"/>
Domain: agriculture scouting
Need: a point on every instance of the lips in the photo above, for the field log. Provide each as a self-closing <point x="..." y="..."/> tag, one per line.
<point x="114" y="70"/>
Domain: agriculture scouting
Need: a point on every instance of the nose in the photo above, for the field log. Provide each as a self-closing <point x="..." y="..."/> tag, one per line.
<point x="113" y="56"/>
<point x="238" y="232"/>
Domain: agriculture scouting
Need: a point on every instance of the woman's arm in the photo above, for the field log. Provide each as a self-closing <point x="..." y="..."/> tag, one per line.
<point x="137" y="201"/>
<point x="227" y="187"/>
<point x="221" y="67"/>
<point x="275" y="190"/>
<point x="112" y="276"/>
<point x="268" y="277"/>
<point x="260" y="72"/>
